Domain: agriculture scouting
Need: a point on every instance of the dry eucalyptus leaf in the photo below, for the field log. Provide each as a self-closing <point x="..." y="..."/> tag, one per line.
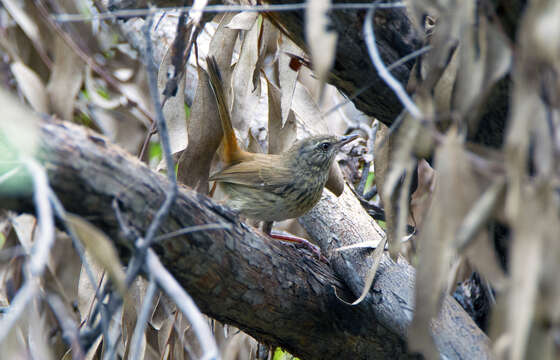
<point x="31" y="86"/>
<point x="64" y="270"/>
<point x="101" y="249"/>
<point x="454" y="194"/>
<point x="174" y="108"/>
<point x="165" y="332"/>
<point x="484" y="57"/>
<point x="24" y="226"/>
<point x="65" y="80"/>
<point x="421" y="199"/>
<point x="321" y="41"/>
<point x="120" y="126"/>
<point x="243" y="98"/>
<point x="86" y="290"/>
<point x="25" y="21"/>
<point x="204" y="126"/>
<point x="243" y="21"/>
<point x="38" y="338"/>
<point x="132" y="304"/>
<point x="526" y="259"/>
<point x="280" y="137"/>
<point x="287" y="76"/>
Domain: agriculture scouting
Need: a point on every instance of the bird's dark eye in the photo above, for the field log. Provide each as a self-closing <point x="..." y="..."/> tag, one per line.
<point x="325" y="146"/>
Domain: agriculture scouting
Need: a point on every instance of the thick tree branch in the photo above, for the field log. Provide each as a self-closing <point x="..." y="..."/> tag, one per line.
<point x="273" y="291"/>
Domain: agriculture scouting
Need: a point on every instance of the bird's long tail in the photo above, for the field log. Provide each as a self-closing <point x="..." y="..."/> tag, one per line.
<point x="230" y="150"/>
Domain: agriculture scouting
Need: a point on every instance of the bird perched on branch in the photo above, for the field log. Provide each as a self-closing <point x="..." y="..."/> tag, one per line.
<point x="271" y="187"/>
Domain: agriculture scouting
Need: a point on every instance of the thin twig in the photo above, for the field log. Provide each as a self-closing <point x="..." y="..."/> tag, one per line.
<point x="9" y="174"/>
<point x="45" y="219"/>
<point x="18" y="305"/>
<point x="164" y="139"/>
<point x="185" y="303"/>
<point x="70" y="332"/>
<point x="391" y="67"/>
<point x="409" y="57"/>
<point x="60" y="213"/>
<point x="220" y="9"/>
<point x="145" y="311"/>
<point x="369" y="35"/>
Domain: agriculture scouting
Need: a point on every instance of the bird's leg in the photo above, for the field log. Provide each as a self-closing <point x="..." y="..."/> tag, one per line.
<point x="267" y="228"/>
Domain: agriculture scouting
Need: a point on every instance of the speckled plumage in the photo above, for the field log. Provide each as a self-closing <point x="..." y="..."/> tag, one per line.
<point x="279" y="187"/>
<point x="271" y="187"/>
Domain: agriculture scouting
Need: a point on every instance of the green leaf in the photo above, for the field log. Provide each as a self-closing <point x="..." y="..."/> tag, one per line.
<point x="280" y="354"/>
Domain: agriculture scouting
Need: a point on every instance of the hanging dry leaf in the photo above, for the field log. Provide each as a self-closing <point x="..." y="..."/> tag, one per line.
<point x="242" y="97"/>
<point x="321" y="41"/>
<point x="484" y="57"/>
<point x="243" y="21"/>
<point x="204" y="127"/>
<point x="287" y="77"/>
<point x="101" y="249"/>
<point x="65" y="80"/>
<point x="454" y="194"/>
<point x="28" y="24"/>
<point x="31" y="86"/>
<point x="280" y="137"/>
<point x="174" y="108"/>
<point x="268" y="52"/>
<point x="120" y="126"/>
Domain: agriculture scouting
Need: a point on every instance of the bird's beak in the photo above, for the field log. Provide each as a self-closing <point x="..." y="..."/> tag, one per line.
<point x="346" y="139"/>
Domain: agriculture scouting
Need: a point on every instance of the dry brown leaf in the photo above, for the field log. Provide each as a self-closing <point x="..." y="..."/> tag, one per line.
<point x="280" y="137"/>
<point x="120" y="126"/>
<point x="242" y="97"/>
<point x="243" y="21"/>
<point x="204" y="127"/>
<point x="268" y="54"/>
<point x="24" y="226"/>
<point x="321" y="41"/>
<point x="132" y="304"/>
<point x="455" y="192"/>
<point x="38" y="334"/>
<point x="484" y="57"/>
<point x="174" y="108"/>
<point x="23" y="17"/>
<point x="101" y="248"/>
<point x="422" y="197"/>
<point x="86" y="290"/>
<point x="65" y="80"/>
<point x="165" y="332"/>
<point x="31" y="86"/>
<point x="287" y="76"/>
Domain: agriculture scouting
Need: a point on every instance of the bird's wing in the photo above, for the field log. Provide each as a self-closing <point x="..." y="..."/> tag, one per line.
<point x="258" y="173"/>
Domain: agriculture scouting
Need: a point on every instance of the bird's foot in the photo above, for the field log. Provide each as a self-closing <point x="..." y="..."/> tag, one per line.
<point x="316" y="250"/>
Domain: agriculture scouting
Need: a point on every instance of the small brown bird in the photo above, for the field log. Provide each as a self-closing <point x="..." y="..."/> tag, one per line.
<point x="272" y="187"/>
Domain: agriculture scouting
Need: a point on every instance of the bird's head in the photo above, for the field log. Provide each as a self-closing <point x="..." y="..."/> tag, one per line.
<point x="318" y="152"/>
